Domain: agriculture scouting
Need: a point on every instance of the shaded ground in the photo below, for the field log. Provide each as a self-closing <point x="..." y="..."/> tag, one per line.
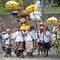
<point x="51" y="56"/>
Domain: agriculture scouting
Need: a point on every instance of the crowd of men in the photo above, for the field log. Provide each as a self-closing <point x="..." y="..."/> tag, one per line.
<point x="25" y="40"/>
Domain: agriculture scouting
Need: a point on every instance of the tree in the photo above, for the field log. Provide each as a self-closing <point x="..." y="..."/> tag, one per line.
<point x="2" y="2"/>
<point x="58" y="2"/>
<point x="21" y="4"/>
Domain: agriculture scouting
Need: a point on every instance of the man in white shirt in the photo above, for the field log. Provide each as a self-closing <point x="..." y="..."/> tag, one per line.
<point x="40" y="43"/>
<point x="19" y="42"/>
<point x="33" y="36"/>
<point x="47" y="40"/>
<point x="28" y="42"/>
<point x="7" y="39"/>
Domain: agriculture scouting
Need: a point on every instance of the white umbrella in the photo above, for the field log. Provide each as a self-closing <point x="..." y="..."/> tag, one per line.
<point x="52" y="20"/>
<point x="36" y="15"/>
<point x="38" y="6"/>
<point x="15" y="11"/>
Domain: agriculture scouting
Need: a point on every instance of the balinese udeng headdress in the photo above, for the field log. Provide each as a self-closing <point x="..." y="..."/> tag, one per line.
<point x="22" y="20"/>
<point x="24" y="25"/>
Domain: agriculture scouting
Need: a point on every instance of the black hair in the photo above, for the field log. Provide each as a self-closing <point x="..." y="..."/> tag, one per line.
<point x="41" y="30"/>
<point x="47" y="28"/>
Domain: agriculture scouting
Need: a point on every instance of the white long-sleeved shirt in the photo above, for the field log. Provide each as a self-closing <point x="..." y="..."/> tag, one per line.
<point x="27" y="36"/>
<point x="47" y="36"/>
<point x="19" y="37"/>
<point x="33" y="34"/>
<point x="6" y="38"/>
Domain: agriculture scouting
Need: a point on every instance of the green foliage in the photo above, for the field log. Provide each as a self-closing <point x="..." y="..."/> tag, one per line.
<point x="0" y="1"/>
<point x="20" y="2"/>
<point x="53" y="10"/>
<point x="4" y="10"/>
<point x="58" y="50"/>
<point x="58" y="2"/>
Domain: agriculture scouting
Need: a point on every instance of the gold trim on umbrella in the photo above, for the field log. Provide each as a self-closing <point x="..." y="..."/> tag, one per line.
<point x="30" y="8"/>
<point x="52" y="20"/>
<point x="12" y="5"/>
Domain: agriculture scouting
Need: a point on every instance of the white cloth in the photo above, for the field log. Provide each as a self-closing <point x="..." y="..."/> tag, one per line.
<point x="7" y="29"/>
<point x="6" y="38"/>
<point x="41" y="37"/>
<point x="47" y="36"/>
<point x="33" y="34"/>
<point x="38" y="6"/>
<point x="36" y="15"/>
<point x="27" y="36"/>
<point x="13" y="35"/>
<point x="19" y="37"/>
<point x="53" y="36"/>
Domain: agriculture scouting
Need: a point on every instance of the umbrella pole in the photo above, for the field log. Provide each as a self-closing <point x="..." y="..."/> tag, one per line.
<point x="43" y="15"/>
<point x="37" y="29"/>
<point x="36" y="25"/>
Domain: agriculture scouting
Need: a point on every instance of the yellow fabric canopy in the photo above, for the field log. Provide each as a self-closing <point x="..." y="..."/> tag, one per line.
<point x="12" y="5"/>
<point x="30" y="8"/>
<point x="52" y="20"/>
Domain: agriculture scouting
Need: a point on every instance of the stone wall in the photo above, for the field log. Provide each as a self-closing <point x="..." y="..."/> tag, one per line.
<point x="11" y="21"/>
<point x="8" y="21"/>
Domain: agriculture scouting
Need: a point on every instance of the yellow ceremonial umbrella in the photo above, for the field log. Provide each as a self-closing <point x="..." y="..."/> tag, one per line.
<point x="12" y="5"/>
<point x="52" y="20"/>
<point x="30" y="8"/>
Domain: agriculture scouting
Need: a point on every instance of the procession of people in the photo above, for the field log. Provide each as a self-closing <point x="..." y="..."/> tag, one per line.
<point x="28" y="41"/>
